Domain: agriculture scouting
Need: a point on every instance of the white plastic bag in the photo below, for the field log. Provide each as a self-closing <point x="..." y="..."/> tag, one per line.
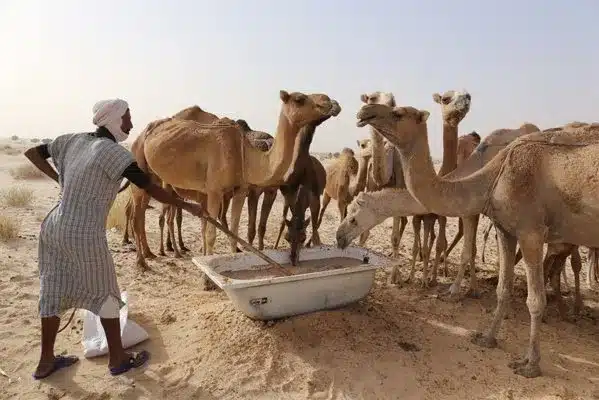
<point x="94" y="339"/>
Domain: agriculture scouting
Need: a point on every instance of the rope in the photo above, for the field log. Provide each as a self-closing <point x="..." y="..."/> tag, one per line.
<point x="68" y="322"/>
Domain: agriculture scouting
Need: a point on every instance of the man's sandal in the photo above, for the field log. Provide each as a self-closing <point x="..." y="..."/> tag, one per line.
<point x="59" y="363"/>
<point x="133" y="362"/>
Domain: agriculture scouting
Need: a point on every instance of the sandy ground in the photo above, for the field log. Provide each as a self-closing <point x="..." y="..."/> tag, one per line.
<point x="397" y="343"/>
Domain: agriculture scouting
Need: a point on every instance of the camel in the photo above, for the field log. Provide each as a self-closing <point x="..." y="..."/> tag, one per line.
<point x="367" y="211"/>
<point x="217" y="157"/>
<point x="385" y="170"/>
<point x="298" y="197"/>
<point x="345" y="177"/>
<point x="540" y="188"/>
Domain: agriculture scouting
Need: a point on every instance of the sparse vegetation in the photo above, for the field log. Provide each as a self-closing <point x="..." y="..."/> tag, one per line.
<point x="27" y="171"/>
<point x="18" y="196"/>
<point x="116" y="215"/>
<point x="9" y="228"/>
<point x="46" y="140"/>
<point x="9" y="150"/>
<point x="35" y="140"/>
<point x="14" y="137"/>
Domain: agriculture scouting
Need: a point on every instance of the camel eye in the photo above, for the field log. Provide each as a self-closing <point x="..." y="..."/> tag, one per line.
<point x="446" y="99"/>
<point x="352" y="221"/>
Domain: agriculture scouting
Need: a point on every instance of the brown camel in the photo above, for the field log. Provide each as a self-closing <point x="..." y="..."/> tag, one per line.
<point x="345" y="177"/>
<point x="217" y="157"/>
<point x="541" y="188"/>
<point x="384" y="170"/>
<point x="304" y="184"/>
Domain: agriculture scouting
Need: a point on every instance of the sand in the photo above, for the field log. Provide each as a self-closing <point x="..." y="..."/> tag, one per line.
<point x="302" y="267"/>
<point x="397" y="343"/>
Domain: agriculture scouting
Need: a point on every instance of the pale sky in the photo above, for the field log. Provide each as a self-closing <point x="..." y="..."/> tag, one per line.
<point x="521" y="60"/>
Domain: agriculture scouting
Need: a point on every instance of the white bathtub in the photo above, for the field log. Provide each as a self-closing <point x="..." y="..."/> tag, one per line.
<point x="277" y="297"/>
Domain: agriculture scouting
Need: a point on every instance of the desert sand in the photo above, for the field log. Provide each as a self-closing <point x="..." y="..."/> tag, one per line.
<point x="397" y="343"/>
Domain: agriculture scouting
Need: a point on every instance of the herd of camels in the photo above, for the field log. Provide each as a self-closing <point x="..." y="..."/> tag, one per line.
<point x="536" y="186"/>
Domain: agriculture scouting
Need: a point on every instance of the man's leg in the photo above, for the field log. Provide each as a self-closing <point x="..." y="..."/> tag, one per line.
<point x="48" y="362"/>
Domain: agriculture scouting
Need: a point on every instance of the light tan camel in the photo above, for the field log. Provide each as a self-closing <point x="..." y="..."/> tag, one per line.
<point x="346" y="177"/>
<point x="217" y="157"/>
<point x="541" y="188"/>
<point x="139" y="197"/>
<point x="384" y="169"/>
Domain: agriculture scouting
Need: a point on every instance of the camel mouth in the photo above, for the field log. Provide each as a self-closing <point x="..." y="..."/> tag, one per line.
<point x="364" y="121"/>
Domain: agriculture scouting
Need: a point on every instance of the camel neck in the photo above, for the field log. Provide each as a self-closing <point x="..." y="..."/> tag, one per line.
<point x="379" y="158"/>
<point x="359" y="183"/>
<point x="268" y="168"/>
<point x="459" y="198"/>
<point x="450" y="149"/>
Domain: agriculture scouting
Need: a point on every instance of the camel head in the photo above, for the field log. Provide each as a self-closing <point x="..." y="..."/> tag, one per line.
<point x="454" y="105"/>
<point x="302" y="109"/>
<point x="296" y="226"/>
<point x="386" y="98"/>
<point x="399" y="125"/>
<point x="360" y="217"/>
<point x="365" y="148"/>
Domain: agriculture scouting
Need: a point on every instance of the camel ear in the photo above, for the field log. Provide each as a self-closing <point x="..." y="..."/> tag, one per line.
<point x="364" y="98"/>
<point x="424" y="116"/>
<point x="437" y="98"/>
<point x="284" y="96"/>
<point x="306" y="222"/>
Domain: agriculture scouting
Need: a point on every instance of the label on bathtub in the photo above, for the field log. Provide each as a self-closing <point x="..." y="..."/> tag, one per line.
<point x="258" y="301"/>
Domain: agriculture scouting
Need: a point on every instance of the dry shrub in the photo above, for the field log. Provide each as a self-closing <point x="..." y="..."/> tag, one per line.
<point x="9" y="150"/>
<point x="116" y="215"/>
<point x="18" y="196"/>
<point x="9" y="228"/>
<point x="27" y="171"/>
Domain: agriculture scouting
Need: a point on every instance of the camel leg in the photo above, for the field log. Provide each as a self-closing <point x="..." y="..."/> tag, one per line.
<point x="576" y="264"/>
<point x="440" y="249"/>
<point x="314" y="212"/>
<point x="170" y="220"/>
<point x="485" y="238"/>
<point x="128" y="215"/>
<point x="426" y="251"/>
<point x="325" y="202"/>
<point x="140" y="201"/>
<point x="592" y="269"/>
<point x="467" y="259"/>
<point x="507" y="249"/>
<point x="161" y="219"/>
<point x="456" y="239"/>
<point x="342" y="205"/>
<point x="395" y="237"/>
<point x="267" y="202"/>
<point x="418" y="219"/>
<point x="416" y="223"/>
<point x="282" y="226"/>
<point x="212" y="208"/>
<point x="236" y="208"/>
<point x="203" y="223"/>
<point x="253" y="195"/>
<point x="531" y="245"/>
<point x="179" y="219"/>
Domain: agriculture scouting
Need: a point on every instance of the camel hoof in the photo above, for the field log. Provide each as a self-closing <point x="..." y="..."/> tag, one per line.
<point x="183" y="248"/>
<point x="143" y="267"/>
<point x="162" y="253"/>
<point x="483" y="340"/>
<point x="474" y="294"/>
<point x="169" y="247"/>
<point x="125" y="242"/>
<point x="178" y="255"/>
<point x="149" y="255"/>
<point x="524" y="368"/>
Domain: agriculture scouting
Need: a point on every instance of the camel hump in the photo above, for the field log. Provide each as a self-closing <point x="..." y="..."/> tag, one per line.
<point x="571" y="134"/>
<point x="151" y="127"/>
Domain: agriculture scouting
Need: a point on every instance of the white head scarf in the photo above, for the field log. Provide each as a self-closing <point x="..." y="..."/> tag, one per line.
<point x="109" y="114"/>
